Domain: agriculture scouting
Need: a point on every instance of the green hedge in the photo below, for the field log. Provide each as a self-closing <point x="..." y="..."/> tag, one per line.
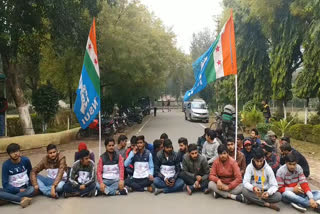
<point x="304" y="132"/>
<point x="59" y="123"/>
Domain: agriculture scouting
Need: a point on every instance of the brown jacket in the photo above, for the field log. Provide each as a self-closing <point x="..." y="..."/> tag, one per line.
<point x="59" y="163"/>
<point x="241" y="160"/>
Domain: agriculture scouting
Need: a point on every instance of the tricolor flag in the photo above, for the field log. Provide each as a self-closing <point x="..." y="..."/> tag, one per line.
<point x="218" y="61"/>
<point x="87" y="104"/>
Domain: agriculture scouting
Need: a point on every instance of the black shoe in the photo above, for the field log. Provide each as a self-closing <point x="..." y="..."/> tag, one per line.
<point x="216" y="195"/>
<point x="124" y="191"/>
<point x="240" y="198"/>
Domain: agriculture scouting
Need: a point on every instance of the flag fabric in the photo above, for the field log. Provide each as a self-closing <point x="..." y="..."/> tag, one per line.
<point x="218" y="61"/>
<point x="87" y="104"/>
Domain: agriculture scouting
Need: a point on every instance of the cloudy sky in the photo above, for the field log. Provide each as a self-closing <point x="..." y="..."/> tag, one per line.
<point x="185" y="16"/>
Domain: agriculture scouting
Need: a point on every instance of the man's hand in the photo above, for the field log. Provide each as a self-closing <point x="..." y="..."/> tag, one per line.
<point x="199" y="178"/>
<point x="313" y="204"/>
<point x="257" y="191"/>
<point x="82" y="187"/>
<point x="22" y="190"/>
<point x="135" y="150"/>
<point x="167" y="182"/>
<point x="298" y="190"/>
<point x="225" y="188"/>
<point x="265" y="195"/>
<point x="102" y="187"/>
<point x="121" y="185"/>
<point x="53" y="191"/>
<point x="219" y="185"/>
<point x="197" y="185"/>
<point x="151" y="177"/>
<point x="36" y="190"/>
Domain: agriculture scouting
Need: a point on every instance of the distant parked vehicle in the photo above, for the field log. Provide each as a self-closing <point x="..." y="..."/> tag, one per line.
<point x="197" y="110"/>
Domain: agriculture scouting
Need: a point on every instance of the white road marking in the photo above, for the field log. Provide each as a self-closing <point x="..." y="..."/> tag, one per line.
<point x="143" y="126"/>
<point x="203" y="126"/>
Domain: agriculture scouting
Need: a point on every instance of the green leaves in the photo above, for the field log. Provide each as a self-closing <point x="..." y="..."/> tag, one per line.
<point x="45" y="101"/>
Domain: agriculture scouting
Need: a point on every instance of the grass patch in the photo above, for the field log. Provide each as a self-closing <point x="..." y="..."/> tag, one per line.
<point x="310" y="150"/>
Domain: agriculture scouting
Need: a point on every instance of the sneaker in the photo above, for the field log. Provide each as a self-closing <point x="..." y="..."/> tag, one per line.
<point x="124" y="191"/>
<point x="25" y="202"/>
<point x="299" y="208"/>
<point x="158" y="191"/>
<point x="240" y="198"/>
<point x="189" y="190"/>
<point x="274" y="207"/>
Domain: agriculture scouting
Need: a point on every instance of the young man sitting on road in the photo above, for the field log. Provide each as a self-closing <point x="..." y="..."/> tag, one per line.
<point x="55" y="164"/>
<point x="294" y="186"/>
<point x="110" y="171"/>
<point x="141" y="159"/>
<point x="259" y="183"/>
<point x="163" y="137"/>
<point x="247" y="150"/>
<point x="254" y="135"/>
<point x="195" y="171"/>
<point x="121" y="147"/>
<point x="133" y="145"/>
<point x="183" y="149"/>
<point x="167" y="169"/>
<point x="82" y="177"/>
<point x="301" y="160"/>
<point x="15" y="178"/>
<point x="202" y="139"/>
<point x="271" y="157"/>
<point x="210" y="147"/>
<point x="157" y="147"/>
<point x="241" y="159"/>
<point x="225" y="176"/>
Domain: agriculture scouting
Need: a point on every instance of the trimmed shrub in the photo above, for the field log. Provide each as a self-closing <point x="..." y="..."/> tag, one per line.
<point x="315" y="137"/>
<point x="263" y="128"/>
<point x="251" y="118"/>
<point x="314" y="119"/>
<point x="301" y="132"/>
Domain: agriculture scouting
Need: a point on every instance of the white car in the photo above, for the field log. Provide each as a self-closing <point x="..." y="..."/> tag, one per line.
<point x="197" y="110"/>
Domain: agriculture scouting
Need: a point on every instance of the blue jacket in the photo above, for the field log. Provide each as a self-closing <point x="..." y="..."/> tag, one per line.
<point x="146" y="156"/>
<point x="11" y="169"/>
<point x="248" y="155"/>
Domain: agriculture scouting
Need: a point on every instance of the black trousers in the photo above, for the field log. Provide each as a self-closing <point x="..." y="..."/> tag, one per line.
<point x="138" y="184"/>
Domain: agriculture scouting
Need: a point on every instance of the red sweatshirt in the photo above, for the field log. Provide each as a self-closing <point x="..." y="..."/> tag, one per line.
<point x="100" y="169"/>
<point x="228" y="172"/>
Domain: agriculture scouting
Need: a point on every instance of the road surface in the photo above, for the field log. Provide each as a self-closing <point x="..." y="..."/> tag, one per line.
<point x="175" y="126"/>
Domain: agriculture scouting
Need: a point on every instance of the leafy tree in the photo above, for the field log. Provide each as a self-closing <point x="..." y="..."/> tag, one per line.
<point x="46" y="103"/>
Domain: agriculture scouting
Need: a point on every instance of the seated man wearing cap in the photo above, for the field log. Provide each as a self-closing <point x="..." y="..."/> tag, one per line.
<point x="247" y="150"/>
<point x="82" y="146"/>
<point x="274" y="141"/>
<point x="272" y="158"/>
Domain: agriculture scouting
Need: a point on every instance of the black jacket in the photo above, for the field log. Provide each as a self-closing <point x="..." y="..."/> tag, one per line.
<point x="301" y="160"/>
<point x="171" y="161"/>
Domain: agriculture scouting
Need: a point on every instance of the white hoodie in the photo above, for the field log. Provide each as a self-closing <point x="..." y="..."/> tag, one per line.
<point x="263" y="178"/>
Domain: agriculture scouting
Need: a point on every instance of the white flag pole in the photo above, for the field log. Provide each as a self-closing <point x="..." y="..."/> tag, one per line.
<point x="99" y="132"/>
<point x="236" y="125"/>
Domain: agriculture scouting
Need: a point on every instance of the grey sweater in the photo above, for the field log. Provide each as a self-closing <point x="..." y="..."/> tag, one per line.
<point x="210" y="150"/>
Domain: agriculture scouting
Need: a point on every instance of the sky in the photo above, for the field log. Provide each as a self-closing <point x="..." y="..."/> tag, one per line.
<point x="185" y="17"/>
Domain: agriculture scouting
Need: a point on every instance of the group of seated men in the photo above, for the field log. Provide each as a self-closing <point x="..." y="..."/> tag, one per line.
<point x="249" y="174"/>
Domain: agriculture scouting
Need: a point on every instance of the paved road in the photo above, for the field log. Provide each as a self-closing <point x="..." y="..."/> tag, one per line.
<point x="175" y="126"/>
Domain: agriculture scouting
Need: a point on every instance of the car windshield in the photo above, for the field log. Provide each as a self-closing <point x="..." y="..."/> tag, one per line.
<point x="198" y="106"/>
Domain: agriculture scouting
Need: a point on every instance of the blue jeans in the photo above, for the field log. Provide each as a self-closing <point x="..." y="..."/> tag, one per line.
<point x="178" y="185"/>
<point x="2" y="124"/>
<point x="16" y="198"/>
<point x="301" y="200"/>
<point x="45" y="184"/>
<point x="111" y="186"/>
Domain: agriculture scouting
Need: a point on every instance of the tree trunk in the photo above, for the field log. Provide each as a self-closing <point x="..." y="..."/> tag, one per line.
<point x="18" y="97"/>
